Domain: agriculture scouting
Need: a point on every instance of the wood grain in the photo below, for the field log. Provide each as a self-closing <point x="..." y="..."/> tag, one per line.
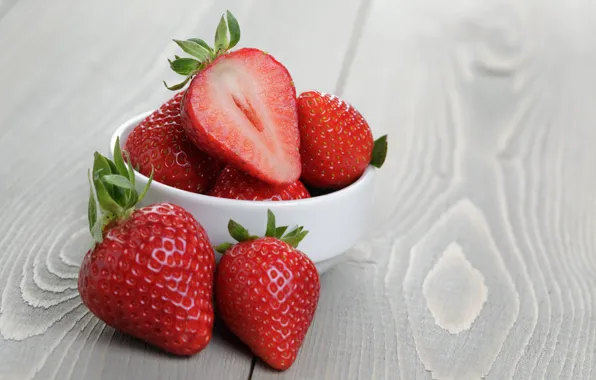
<point x="70" y="72"/>
<point x="480" y="261"/>
<point x="489" y="186"/>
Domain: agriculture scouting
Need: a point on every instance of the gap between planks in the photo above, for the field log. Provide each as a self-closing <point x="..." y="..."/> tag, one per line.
<point x="359" y="23"/>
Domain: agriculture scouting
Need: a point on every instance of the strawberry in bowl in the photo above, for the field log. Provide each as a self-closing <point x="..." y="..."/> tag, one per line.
<point x="259" y="147"/>
<point x="336" y="143"/>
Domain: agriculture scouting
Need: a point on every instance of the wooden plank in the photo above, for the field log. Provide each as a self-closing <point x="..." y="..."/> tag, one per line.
<point x="70" y="72"/>
<point x="482" y="257"/>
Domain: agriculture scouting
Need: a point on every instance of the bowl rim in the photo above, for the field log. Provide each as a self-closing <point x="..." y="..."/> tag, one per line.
<point x="132" y="122"/>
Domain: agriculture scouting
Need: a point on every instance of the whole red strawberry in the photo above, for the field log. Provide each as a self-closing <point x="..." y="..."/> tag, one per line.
<point x="267" y="291"/>
<point x="336" y="143"/>
<point x="159" y="143"/>
<point x="240" y="106"/>
<point x="235" y="184"/>
<point x="150" y="274"/>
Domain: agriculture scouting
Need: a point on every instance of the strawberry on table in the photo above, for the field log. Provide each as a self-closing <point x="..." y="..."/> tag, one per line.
<point x="235" y="184"/>
<point x="240" y="106"/>
<point x="150" y="273"/>
<point x="336" y="143"/>
<point x="267" y="291"/>
<point x="159" y="143"/>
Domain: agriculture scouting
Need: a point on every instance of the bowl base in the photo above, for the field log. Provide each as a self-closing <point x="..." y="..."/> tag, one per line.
<point x="325" y="265"/>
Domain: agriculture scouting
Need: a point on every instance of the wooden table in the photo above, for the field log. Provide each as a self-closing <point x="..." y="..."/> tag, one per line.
<point x="481" y="259"/>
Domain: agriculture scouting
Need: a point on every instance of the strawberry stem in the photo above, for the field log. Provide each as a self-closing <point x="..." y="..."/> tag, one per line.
<point x="241" y="234"/>
<point x="112" y="188"/>
<point x="227" y="36"/>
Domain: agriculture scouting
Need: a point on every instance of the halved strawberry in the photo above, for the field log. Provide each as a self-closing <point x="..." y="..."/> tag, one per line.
<point x="240" y="106"/>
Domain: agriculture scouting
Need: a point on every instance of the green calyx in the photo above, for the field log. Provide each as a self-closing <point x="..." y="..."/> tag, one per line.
<point x="379" y="153"/>
<point x="227" y="36"/>
<point x="113" y="194"/>
<point x="240" y="234"/>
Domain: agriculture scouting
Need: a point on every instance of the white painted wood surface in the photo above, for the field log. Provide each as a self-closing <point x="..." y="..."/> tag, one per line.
<point x="481" y="261"/>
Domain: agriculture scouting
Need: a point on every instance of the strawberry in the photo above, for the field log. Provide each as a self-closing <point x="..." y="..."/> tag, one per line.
<point x="235" y="184"/>
<point x="240" y="106"/>
<point x="267" y="291"/>
<point x="150" y="273"/>
<point x="336" y="143"/>
<point x="159" y="143"/>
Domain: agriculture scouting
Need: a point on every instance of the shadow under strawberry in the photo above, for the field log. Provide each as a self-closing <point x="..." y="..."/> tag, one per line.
<point x="127" y="343"/>
<point x="119" y="341"/>
<point x="229" y="339"/>
<point x="316" y="192"/>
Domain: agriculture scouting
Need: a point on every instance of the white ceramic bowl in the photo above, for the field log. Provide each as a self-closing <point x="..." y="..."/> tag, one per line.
<point x="335" y="221"/>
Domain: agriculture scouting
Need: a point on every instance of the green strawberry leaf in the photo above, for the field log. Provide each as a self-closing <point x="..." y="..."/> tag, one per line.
<point x="104" y="198"/>
<point x="295" y="239"/>
<point x="118" y="160"/>
<point x="185" y="66"/>
<point x="112" y="165"/>
<point x="294" y="232"/>
<point x="238" y="232"/>
<point x="101" y="167"/>
<point x="221" y="36"/>
<point x="178" y="86"/>
<point x="142" y="196"/>
<point x="131" y="173"/>
<point x="227" y="36"/>
<point x="194" y="49"/>
<point x="112" y="191"/>
<point x="118" y="180"/>
<point x="241" y="234"/>
<point x="130" y="195"/>
<point x="202" y="43"/>
<point x="295" y="236"/>
<point x="96" y="232"/>
<point x="117" y="194"/>
<point x="133" y="199"/>
<point x="234" y="29"/>
<point x="379" y="153"/>
<point x="92" y="210"/>
<point x="270" y="224"/>
<point x="280" y="231"/>
<point x="120" y="194"/>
